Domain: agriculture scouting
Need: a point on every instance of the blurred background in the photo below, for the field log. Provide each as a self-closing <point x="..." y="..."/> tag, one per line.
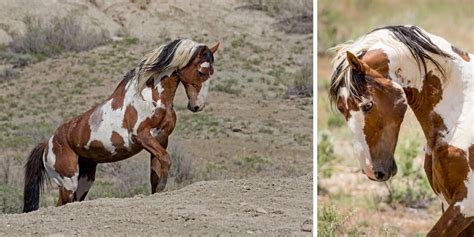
<point x="58" y="59"/>
<point x="348" y="203"/>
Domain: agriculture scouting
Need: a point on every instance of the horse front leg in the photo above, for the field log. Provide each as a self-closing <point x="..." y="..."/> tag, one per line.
<point x="451" y="223"/>
<point x="160" y="161"/>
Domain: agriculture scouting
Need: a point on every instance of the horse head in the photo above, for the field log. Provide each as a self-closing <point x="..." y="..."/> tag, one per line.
<point x="374" y="107"/>
<point x="195" y="77"/>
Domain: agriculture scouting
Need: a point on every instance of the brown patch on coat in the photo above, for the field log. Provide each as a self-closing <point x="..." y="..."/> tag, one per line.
<point x="423" y="102"/>
<point x="450" y="169"/>
<point x="446" y="166"/>
<point x="130" y="118"/>
<point x="463" y="54"/>
<point x="117" y="142"/>
<point x="377" y="60"/>
<point x="66" y="159"/>
<point x="119" y="95"/>
<point x="154" y="92"/>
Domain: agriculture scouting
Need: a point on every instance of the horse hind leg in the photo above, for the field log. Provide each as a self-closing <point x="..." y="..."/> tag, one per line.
<point x="87" y="170"/>
<point x="62" y="167"/>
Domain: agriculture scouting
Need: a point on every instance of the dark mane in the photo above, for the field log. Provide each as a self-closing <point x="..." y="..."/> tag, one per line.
<point x="419" y="45"/>
<point x="165" y="57"/>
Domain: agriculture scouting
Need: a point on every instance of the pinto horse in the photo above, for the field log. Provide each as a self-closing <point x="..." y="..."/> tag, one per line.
<point x="377" y="77"/>
<point x="138" y="115"/>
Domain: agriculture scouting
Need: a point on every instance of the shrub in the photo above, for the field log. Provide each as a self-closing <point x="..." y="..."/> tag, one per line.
<point x="10" y="199"/>
<point x="181" y="170"/>
<point x="412" y="189"/>
<point x="329" y="220"/>
<point x="326" y="156"/>
<point x="59" y="35"/>
<point x="293" y="16"/>
<point x="302" y="81"/>
<point x="8" y="74"/>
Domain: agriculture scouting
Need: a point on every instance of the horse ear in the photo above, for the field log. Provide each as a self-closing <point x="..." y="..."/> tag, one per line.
<point x="355" y="62"/>
<point x="214" y="48"/>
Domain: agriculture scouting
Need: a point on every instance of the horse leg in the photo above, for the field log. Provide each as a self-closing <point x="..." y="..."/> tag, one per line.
<point x="468" y="232"/>
<point x="87" y="170"/>
<point x="160" y="161"/>
<point x="62" y="167"/>
<point x="451" y="223"/>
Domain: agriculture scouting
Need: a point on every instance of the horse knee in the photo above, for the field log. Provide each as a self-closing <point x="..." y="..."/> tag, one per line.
<point x="165" y="162"/>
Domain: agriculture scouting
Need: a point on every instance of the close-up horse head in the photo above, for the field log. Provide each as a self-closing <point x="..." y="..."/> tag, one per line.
<point x="373" y="107"/>
<point x="195" y="77"/>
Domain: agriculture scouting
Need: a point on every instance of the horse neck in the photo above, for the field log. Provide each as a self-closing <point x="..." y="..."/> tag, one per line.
<point x="441" y="104"/>
<point x="166" y="88"/>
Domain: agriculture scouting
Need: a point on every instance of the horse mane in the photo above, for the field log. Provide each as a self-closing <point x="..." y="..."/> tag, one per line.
<point x="164" y="60"/>
<point x="400" y="38"/>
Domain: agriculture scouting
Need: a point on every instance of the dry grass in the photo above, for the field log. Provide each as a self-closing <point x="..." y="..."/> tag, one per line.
<point x="293" y="16"/>
<point x="56" y="36"/>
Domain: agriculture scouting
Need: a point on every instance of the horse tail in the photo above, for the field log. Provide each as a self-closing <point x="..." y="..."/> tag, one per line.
<point x="34" y="177"/>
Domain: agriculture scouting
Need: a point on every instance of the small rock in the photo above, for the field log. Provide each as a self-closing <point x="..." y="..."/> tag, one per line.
<point x="307" y="225"/>
<point x="261" y="210"/>
<point x="279" y="212"/>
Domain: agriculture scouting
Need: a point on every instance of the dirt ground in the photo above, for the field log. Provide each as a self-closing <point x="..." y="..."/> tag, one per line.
<point x="230" y="207"/>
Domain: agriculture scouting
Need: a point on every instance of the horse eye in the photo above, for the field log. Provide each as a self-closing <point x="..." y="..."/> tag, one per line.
<point x="201" y="74"/>
<point x="366" y="107"/>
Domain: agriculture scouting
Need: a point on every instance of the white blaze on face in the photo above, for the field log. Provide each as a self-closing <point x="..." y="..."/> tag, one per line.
<point x="204" y="65"/>
<point x="356" y="123"/>
<point x="202" y="95"/>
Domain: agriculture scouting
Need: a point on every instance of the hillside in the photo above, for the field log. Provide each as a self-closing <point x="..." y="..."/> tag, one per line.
<point x="255" y="126"/>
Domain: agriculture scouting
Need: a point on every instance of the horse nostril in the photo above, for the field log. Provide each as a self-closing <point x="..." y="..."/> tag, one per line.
<point x="196" y="108"/>
<point x="379" y="175"/>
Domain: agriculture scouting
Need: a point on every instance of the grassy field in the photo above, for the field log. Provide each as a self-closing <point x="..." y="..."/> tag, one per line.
<point x="248" y="129"/>
<point x="348" y="203"/>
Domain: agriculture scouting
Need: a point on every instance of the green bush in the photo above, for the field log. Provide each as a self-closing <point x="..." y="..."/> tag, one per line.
<point x="10" y="199"/>
<point x="329" y="221"/>
<point x="326" y="156"/>
<point x="412" y="188"/>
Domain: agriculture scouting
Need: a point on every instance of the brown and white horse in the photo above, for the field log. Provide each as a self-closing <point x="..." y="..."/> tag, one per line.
<point x="138" y="115"/>
<point x="376" y="78"/>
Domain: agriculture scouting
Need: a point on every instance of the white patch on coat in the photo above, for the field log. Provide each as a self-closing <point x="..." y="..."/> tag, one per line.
<point x="356" y="123"/>
<point x="112" y="120"/>
<point x="69" y="183"/>
<point x="466" y="206"/>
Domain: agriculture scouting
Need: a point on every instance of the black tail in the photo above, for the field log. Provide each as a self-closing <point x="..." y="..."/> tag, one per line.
<point x="34" y="177"/>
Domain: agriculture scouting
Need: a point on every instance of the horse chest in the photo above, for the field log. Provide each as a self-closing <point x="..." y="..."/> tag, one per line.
<point x="452" y="176"/>
<point x="165" y="126"/>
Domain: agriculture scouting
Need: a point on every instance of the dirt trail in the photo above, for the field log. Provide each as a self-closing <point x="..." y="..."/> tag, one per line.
<point x="253" y="206"/>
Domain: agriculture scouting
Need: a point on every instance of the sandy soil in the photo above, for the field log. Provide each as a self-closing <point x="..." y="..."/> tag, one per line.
<point x="230" y="207"/>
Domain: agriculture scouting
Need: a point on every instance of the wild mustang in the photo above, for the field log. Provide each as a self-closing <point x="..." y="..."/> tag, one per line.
<point x="376" y="78"/>
<point x="138" y="115"/>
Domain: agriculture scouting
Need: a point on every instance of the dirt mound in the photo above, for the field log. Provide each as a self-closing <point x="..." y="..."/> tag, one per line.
<point x="253" y="206"/>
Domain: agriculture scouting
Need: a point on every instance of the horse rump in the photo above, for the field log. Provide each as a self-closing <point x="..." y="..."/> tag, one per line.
<point x="34" y="177"/>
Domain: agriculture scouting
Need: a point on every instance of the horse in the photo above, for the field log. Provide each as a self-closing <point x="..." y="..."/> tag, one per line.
<point x="377" y="77"/>
<point x="138" y="115"/>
